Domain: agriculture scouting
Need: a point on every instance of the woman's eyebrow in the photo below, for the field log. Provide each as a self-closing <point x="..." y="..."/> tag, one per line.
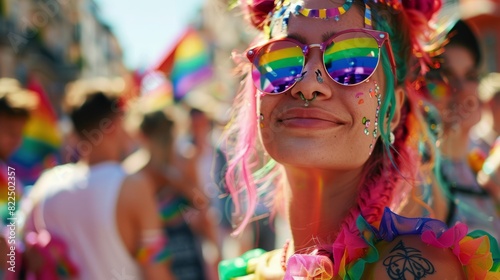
<point x="297" y="37"/>
<point x="302" y="39"/>
<point x="327" y="35"/>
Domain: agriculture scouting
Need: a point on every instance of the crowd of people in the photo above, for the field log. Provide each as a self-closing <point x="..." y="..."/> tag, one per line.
<point x="143" y="184"/>
<point x="379" y="151"/>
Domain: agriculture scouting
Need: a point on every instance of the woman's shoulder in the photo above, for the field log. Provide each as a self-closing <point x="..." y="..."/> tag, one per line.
<point x="407" y="257"/>
<point x="422" y="247"/>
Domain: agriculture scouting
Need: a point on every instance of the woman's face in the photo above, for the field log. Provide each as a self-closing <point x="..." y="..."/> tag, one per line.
<point x="458" y="101"/>
<point x="330" y="132"/>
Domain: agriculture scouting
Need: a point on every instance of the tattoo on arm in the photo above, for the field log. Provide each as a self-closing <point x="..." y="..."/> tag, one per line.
<point x="406" y="261"/>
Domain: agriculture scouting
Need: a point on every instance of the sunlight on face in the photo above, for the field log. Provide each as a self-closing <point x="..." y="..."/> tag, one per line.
<point x="336" y="130"/>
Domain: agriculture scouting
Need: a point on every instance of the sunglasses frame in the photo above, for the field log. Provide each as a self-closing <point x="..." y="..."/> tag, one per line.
<point x="381" y="37"/>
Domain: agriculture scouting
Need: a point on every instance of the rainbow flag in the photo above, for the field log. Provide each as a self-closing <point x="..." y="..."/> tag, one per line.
<point x="41" y="140"/>
<point x="189" y="63"/>
<point x="156" y="91"/>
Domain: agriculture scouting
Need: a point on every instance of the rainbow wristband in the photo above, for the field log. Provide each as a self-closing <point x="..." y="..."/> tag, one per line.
<point x="154" y="252"/>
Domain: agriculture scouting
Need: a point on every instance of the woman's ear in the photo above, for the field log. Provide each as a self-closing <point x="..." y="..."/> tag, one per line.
<point x="400" y="98"/>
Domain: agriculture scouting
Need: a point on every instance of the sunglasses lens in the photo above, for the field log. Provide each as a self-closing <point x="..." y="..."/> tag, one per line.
<point x="351" y="58"/>
<point x="277" y="66"/>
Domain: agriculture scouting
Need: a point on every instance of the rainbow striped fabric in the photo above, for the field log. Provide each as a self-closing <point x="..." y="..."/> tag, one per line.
<point x="172" y="208"/>
<point x="41" y="140"/>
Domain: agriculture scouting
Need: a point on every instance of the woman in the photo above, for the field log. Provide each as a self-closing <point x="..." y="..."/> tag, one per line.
<point x="184" y="207"/>
<point x="339" y="140"/>
<point x="453" y="89"/>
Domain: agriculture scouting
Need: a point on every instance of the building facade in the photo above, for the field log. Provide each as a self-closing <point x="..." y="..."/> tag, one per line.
<point x="53" y="42"/>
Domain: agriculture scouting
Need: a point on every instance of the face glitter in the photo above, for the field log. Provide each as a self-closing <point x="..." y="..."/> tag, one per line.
<point x="377" y="112"/>
<point x="319" y="77"/>
<point x="366" y="122"/>
<point x="360" y="101"/>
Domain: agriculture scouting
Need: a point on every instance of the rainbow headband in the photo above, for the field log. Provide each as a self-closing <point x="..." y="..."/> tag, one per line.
<point x="278" y="22"/>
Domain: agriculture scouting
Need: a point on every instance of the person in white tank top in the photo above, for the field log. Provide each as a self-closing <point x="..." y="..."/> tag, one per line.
<point x="108" y="220"/>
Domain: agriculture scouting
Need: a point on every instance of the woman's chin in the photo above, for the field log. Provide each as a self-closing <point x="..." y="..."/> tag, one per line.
<point x="319" y="163"/>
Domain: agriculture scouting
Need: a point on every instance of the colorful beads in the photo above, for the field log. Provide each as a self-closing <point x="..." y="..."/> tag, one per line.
<point x="283" y="256"/>
<point x="334" y="13"/>
<point x="377" y="112"/>
<point x="366" y="122"/>
<point x="368" y="17"/>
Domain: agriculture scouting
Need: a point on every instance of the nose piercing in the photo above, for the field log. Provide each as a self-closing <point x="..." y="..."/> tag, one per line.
<point x="306" y="104"/>
<point x="319" y="77"/>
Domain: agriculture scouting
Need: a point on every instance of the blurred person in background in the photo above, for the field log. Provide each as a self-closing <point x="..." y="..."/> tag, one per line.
<point x="15" y="106"/>
<point x="487" y="130"/>
<point x="487" y="134"/>
<point x="104" y="223"/>
<point x="183" y="204"/>
<point x="453" y="89"/>
<point x="210" y="169"/>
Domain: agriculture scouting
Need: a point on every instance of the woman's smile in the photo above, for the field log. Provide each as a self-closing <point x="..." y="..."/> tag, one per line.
<point x="310" y="118"/>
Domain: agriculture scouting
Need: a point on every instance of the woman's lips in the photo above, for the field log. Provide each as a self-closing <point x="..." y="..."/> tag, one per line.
<point x="308" y="123"/>
<point x="309" y="118"/>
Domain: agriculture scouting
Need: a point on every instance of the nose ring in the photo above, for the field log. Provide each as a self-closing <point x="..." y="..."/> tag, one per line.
<point x="306" y="104"/>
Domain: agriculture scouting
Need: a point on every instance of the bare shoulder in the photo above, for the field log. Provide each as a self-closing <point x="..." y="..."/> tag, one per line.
<point x="407" y="257"/>
<point x="136" y="187"/>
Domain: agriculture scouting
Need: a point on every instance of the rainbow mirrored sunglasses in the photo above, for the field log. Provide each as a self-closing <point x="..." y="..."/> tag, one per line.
<point x="350" y="57"/>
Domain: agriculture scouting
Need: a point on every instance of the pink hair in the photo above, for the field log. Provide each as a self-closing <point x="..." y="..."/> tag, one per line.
<point x="242" y="152"/>
<point x="385" y="171"/>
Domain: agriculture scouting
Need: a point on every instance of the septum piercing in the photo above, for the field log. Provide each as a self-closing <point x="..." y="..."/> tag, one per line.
<point x="319" y="77"/>
<point x="307" y="100"/>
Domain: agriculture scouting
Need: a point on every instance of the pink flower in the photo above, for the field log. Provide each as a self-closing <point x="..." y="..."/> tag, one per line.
<point x="347" y="247"/>
<point x="259" y="11"/>
<point x="448" y="239"/>
<point x="427" y="7"/>
<point x="309" y="267"/>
